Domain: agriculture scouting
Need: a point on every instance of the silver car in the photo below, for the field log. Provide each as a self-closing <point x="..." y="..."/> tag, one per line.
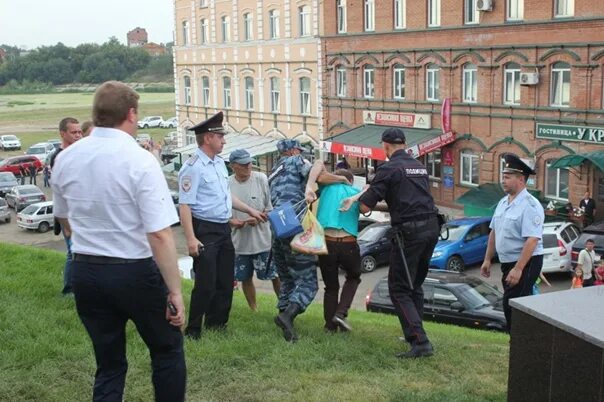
<point x="21" y="196"/>
<point x="4" y="211"/>
<point x="37" y="216"/>
<point x="7" y="181"/>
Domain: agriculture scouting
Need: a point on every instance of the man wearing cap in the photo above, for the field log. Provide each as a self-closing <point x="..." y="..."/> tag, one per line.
<point x="252" y="239"/>
<point x="403" y="183"/>
<point x="205" y="209"/>
<point x="516" y="235"/>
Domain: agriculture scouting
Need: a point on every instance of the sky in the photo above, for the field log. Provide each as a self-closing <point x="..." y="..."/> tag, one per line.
<point x="33" y="23"/>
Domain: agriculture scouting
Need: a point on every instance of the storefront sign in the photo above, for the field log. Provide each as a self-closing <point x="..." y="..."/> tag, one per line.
<point x="565" y="132"/>
<point x="448" y="181"/>
<point x="445" y="115"/>
<point x="448" y="170"/>
<point x="412" y="120"/>
<point x="447" y="155"/>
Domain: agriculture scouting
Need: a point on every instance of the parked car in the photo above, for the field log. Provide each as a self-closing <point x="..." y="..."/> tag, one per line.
<point x="40" y="150"/>
<point x="12" y="164"/>
<point x="450" y="298"/>
<point x="558" y="240"/>
<point x="20" y="197"/>
<point x="170" y="123"/>
<point x="143" y="139"/>
<point x="171" y="137"/>
<point x="150" y="121"/>
<point x="9" y="141"/>
<point x="465" y="243"/>
<point x="175" y="196"/>
<point x="7" y="181"/>
<point x="55" y="143"/>
<point x="37" y="216"/>
<point x="4" y="211"/>
<point x="374" y="244"/>
<point x="595" y="232"/>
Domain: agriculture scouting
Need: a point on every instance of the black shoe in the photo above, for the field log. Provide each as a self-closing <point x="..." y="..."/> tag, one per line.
<point x="285" y="321"/>
<point x="341" y="321"/>
<point x="417" y="350"/>
<point x="193" y="335"/>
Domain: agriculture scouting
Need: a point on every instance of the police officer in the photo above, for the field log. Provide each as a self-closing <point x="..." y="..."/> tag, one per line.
<point x="205" y="209"/>
<point x="517" y="229"/>
<point x="403" y="183"/>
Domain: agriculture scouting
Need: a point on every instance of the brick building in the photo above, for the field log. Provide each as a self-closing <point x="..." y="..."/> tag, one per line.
<point x="137" y="37"/>
<point x="523" y="76"/>
<point x="154" y="49"/>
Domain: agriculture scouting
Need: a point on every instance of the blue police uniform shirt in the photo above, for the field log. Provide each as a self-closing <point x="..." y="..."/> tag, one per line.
<point x="288" y="180"/>
<point x="203" y="184"/>
<point x="514" y="222"/>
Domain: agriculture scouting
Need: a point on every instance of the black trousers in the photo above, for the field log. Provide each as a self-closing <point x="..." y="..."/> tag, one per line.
<point x="524" y="287"/>
<point x="106" y="297"/>
<point x="348" y="257"/>
<point x="212" y="294"/>
<point x="420" y="238"/>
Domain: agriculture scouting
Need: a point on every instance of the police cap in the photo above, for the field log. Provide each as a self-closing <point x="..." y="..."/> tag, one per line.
<point x="211" y="125"/>
<point x="513" y="164"/>
<point x="287" y="144"/>
<point x="393" y="135"/>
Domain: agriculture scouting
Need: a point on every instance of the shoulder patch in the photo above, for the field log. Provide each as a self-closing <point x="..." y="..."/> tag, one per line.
<point x="191" y="161"/>
<point x="185" y="183"/>
<point x="537" y="220"/>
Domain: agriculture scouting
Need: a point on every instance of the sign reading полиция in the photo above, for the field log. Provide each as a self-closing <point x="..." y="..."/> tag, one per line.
<point x="565" y="132"/>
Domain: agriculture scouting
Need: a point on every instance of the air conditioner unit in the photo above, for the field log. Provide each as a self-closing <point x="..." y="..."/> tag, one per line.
<point x="529" y="78"/>
<point x="484" y="5"/>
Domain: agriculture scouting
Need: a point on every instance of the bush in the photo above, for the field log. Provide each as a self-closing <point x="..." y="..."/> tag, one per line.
<point x="13" y="87"/>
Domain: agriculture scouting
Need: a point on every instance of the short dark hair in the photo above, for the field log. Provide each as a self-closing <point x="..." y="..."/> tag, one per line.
<point x="590" y="241"/>
<point x="86" y="125"/>
<point x="68" y="120"/>
<point x="112" y="101"/>
<point x="346" y="173"/>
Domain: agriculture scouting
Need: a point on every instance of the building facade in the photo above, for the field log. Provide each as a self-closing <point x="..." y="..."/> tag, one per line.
<point x="522" y="76"/>
<point x="137" y="37"/>
<point x="257" y="61"/>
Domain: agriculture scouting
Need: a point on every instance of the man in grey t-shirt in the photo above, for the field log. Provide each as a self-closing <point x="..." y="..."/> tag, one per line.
<point x="586" y="262"/>
<point x="251" y="239"/>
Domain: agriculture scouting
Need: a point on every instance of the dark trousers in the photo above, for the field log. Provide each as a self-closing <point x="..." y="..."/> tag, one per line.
<point x="212" y="294"/>
<point x="524" y="287"/>
<point x="32" y="179"/>
<point x="106" y="297"/>
<point x="420" y="238"/>
<point x="347" y="256"/>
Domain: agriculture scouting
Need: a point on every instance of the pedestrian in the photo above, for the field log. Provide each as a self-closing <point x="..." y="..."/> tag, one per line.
<point x="33" y="172"/>
<point x="403" y="183"/>
<point x="297" y="272"/>
<point x="541" y="278"/>
<point x="577" y="281"/>
<point x="586" y="262"/>
<point x="341" y="230"/>
<point x="342" y="164"/>
<point x="251" y="239"/>
<point x="516" y="235"/>
<point x="588" y="205"/>
<point x="46" y="174"/>
<point x="205" y="209"/>
<point x="87" y="127"/>
<point x="119" y="209"/>
<point x="22" y="173"/>
<point x="70" y="132"/>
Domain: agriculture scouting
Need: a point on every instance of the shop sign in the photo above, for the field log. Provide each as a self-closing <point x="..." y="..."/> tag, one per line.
<point x="448" y="181"/>
<point x="445" y="115"/>
<point x="447" y="155"/>
<point x="431" y="145"/>
<point x="396" y="119"/>
<point x="564" y="132"/>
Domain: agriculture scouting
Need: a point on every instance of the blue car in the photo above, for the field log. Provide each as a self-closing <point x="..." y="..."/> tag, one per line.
<point x="466" y="244"/>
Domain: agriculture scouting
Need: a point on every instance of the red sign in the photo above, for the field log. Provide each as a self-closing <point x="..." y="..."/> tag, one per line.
<point x="412" y="120"/>
<point x="447" y="157"/>
<point x="445" y="115"/>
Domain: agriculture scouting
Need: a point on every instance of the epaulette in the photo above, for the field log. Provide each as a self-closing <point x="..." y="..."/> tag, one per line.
<point x="191" y="161"/>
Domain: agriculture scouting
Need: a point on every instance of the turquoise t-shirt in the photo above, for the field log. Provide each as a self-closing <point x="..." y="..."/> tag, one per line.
<point x="330" y="200"/>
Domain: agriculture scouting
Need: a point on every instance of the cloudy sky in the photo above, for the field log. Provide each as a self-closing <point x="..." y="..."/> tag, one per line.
<point x="33" y="23"/>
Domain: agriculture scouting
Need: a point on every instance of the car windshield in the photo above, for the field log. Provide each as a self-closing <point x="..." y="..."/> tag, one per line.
<point x="480" y="294"/>
<point x="456" y="232"/>
<point x="36" y="150"/>
<point x="372" y="233"/>
<point x="25" y="191"/>
<point x="550" y="241"/>
<point x="2" y="202"/>
<point x="5" y="178"/>
<point x="30" y="210"/>
<point x="4" y="162"/>
<point x="9" y="138"/>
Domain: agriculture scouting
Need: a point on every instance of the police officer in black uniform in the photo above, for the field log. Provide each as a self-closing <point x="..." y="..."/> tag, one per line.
<point x="403" y="183"/>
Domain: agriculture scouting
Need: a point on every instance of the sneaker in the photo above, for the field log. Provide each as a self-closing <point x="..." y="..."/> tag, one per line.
<point x="341" y="321"/>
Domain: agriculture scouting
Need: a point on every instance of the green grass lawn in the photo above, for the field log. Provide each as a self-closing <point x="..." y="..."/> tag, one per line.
<point x="47" y="356"/>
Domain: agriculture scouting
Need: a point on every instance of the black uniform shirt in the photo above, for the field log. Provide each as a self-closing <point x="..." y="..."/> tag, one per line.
<point x="403" y="183"/>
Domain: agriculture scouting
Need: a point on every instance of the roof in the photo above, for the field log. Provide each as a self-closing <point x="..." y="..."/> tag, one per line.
<point x="484" y="196"/>
<point x="595" y="157"/>
<point x="256" y="145"/>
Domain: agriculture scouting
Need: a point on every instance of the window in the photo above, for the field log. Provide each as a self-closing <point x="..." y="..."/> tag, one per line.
<point x="556" y="182"/>
<point x="249" y="93"/>
<point x="511" y="84"/>
<point x="275" y="95"/>
<point x="247" y="26"/>
<point x="560" y="92"/>
<point x="273" y="24"/>
<point x="432" y="162"/>
<point x="305" y="95"/>
<point x="469" y="168"/>
<point x="432" y="82"/>
<point x="369" y="15"/>
<point x="470" y="12"/>
<point x="433" y="13"/>
<point x="204" y="37"/>
<point x="226" y="92"/>
<point x="564" y="8"/>
<point x="341" y="15"/>
<point x="187" y="93"/>
<point x="398" y="82"/>
<point x="190" y="136"/>
<point x="205" y="91"/>
<point x="224" y="24"/>
<point x="185" y="33"/>
<point x="341" y="82"/>
<point x="304" y="20"/>
<point x="399" y="14"/>
<point x="203" y="3"/>
<point x="368" y="82"/>
<point x="469" y="84"/>
<point x="443" y="297"/>
<point x="515" y="10"/>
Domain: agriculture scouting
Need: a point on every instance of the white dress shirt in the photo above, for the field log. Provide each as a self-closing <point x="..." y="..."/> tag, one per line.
<point x="113" y="193"/>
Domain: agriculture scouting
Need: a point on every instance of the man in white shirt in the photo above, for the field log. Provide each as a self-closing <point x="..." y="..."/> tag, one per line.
<point x="586" y="262"/>
<point x="111" y="195"/>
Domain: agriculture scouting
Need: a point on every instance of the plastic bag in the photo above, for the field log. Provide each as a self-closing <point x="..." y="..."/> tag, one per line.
<point x="312" y="239"/>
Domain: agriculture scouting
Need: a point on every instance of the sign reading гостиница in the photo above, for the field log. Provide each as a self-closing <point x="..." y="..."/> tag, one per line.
<point x="565" y="132"/>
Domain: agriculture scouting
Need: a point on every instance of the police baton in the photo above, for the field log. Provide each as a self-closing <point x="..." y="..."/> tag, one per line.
<point x="401" y="247"/>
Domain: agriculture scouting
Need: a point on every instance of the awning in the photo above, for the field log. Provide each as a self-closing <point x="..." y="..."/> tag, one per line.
<point x="484" y="196"/>
<point x="595" y="157"/>
<point x="364" y="141"/>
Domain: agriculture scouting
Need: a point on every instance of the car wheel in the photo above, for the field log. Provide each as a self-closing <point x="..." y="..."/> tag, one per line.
<point x="368" y="264"/>
<point x="455" y="263"/>
<point x="43" y="228"/>
<point x="7" y="220"/>
<point x="146" y="126"/>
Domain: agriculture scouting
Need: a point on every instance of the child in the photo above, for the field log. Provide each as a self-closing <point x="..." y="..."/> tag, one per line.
<point x="599" y="273"/>
<point x="577" y="279"/>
